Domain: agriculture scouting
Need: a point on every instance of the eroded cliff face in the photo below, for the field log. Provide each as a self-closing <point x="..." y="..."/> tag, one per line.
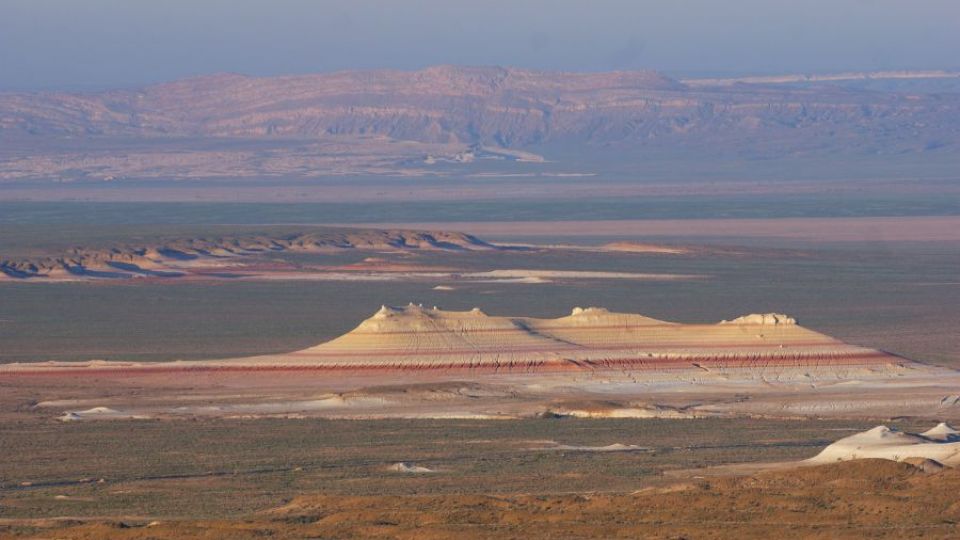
<point x="415" y="340"/>
<point x="438" y="104"/>
<point x="460" y="106"/>
<point x="588" y="339"/>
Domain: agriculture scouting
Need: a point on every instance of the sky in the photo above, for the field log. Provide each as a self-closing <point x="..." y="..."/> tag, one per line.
<point x="96" y="44"/>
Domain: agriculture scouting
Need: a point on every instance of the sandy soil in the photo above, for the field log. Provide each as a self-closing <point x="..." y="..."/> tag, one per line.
<point x="861" y="499"/>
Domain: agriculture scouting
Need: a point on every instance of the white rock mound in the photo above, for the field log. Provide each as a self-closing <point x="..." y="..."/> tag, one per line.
<point x="100" y="413"/>
<point x="940" y="444"/>
<point x="615" y="447"/>
<point x="770" y="319"/>
<point x="409" y="468"/>
<point x="942" y="432"/>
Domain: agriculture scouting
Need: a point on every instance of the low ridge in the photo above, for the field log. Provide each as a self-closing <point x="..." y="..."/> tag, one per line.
<point x="102" y="261"/>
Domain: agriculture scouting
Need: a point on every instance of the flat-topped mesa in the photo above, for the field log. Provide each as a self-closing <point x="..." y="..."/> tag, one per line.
<point x="414" y="311"/>
<point x="590" y="326"/>
<point x="412" y="338"/>
<point x="418" y="337"/>
<point x="588" y="311"/>
<point x="413" y="331"/>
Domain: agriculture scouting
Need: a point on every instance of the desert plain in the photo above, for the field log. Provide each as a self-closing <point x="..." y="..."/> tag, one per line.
<point x="410" y="380"/>
<point x="431" y="270"/>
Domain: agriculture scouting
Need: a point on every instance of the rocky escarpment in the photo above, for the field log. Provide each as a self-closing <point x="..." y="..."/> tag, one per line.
<point x="451" y="108"/>
<point x="509" y="107"/>
<point x="496" y="106"/>
<point x="147" y="257"/>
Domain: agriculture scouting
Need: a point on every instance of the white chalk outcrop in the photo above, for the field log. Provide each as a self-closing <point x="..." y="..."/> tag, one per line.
<point x="942" y="432"/>
<point x="409" y="468"/>
<point x="940" y="444"/>
<point x="415" y="336"/>
<point x="766" y="347"/>
<point x="99" y="413"/>
<point x="771" y="319"/>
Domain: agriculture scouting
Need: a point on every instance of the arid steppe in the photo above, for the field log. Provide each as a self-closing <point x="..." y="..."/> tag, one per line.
<point x="522" y="270"/>
<point x="356" y="456"/>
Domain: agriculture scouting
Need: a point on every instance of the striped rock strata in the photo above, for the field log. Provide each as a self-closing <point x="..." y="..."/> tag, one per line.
<point x="414" y="338"/>
<point x="591" y="338"/>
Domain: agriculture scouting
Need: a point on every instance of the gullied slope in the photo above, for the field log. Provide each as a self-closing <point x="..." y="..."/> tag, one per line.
<point x="764" y="347"/>
<point x="414" y="337"/>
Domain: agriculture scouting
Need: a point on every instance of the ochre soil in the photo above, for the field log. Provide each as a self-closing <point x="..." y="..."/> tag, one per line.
<point x="860" y="499"/>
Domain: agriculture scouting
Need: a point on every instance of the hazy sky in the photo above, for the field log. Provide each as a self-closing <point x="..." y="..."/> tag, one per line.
<point x="87" y="44"/>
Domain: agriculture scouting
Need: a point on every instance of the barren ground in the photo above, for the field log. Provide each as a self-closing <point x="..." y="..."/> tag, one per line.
<point x="523" y="494"/>
<point x="245" y="455"/>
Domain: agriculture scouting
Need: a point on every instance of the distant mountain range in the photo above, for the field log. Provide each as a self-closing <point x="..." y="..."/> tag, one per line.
<point x="432" y="120"/>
